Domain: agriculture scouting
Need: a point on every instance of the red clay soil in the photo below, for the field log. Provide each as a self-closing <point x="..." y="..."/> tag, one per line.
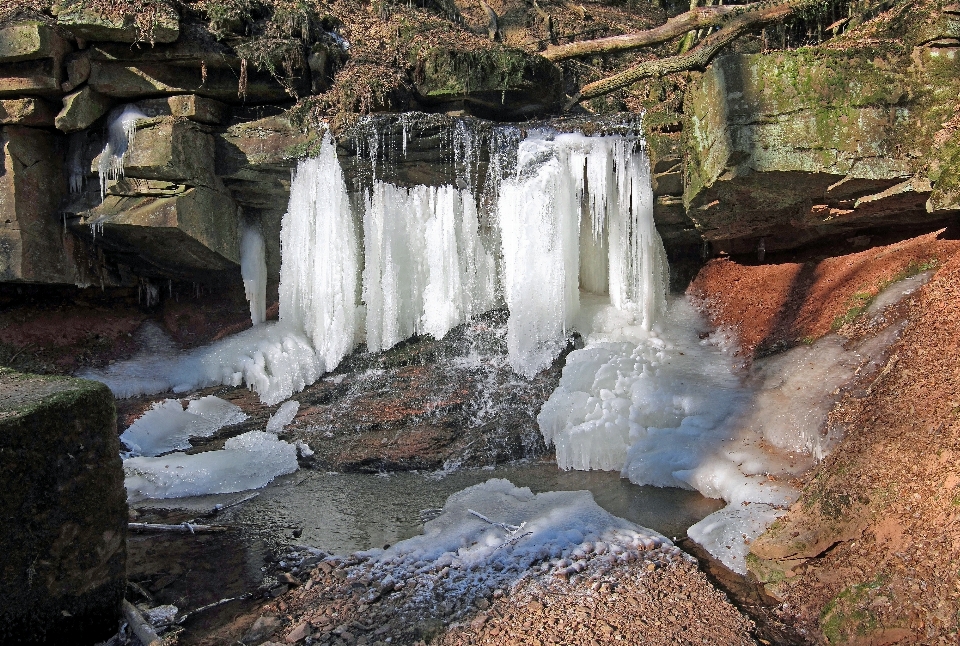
<point x="871" y="552"/>
<point x="774" y="306"/>
<point x="62" y="331"/>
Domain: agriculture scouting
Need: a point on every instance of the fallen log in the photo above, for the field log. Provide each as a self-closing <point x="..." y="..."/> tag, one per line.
<point x="182" y="528"/>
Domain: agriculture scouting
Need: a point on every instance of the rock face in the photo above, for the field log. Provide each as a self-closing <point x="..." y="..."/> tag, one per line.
<point x="813" y="143"/>
<point x="498" y="83"/>
<point x="32" y="245"/>
<point x="64" y="511"/>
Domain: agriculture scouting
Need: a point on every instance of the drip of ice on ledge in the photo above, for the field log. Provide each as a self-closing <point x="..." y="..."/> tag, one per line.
<point x="121" y="131"/>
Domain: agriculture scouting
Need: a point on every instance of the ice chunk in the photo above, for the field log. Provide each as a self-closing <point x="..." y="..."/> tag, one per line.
<point x="167" y="427"/>
<point x="248" y="461"/>
<point x="284" y="415"/>
<point x="727" y="533"/>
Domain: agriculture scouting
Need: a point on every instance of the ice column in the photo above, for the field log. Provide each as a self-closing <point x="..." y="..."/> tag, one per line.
<point x="577" y="214"/>
<point x="253" y="270"/>
<point x="318" y="275"/>
<point x="426" y="268"/>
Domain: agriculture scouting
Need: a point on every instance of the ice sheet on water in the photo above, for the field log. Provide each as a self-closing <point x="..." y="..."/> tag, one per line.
<point x="727" y="533"/>
<point x="248" y="461"/>
<point x="284" y="415"/>
<point x="168" y="427"/>
<point x="489" y="534"/>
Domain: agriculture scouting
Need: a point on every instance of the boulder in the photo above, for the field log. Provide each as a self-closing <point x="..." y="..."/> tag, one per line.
<point x="32" y="245"/>
<point x="170" y="231"/>
<point x="29" y="41"/>
<point x="27" y="112"/>
<point x="41" y="77"/>
<point x="31" y="60"/>
<point x="78" y="70"/>
<point x="92" y="23"/>
<point x="81" y="109"/>
<point x="811" y="143"/>
<point x="64" y="511"/>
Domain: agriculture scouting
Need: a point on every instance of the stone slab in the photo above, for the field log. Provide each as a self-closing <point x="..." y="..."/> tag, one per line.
<point x="89" y="23"/>
<point x="33" y="247"/>
<point x="27" y="112"/>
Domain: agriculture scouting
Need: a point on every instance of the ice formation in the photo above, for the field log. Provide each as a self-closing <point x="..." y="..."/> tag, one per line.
<point x="425" y="267"/>
<point x="168" y="427"/>
<point x="489" y="534"/>
<point x="121" y="130"/>
<point x="578" y="214"/>
<point x="253" y="271"/>
<point x="559" y="211"/>
<point x="667" y="408"/>
<point x="248" y="461"/>
<point x="284" y="415"/>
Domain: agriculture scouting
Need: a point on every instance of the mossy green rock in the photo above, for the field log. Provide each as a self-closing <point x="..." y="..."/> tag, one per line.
<point x="800" y="145"/>
<point x="90" y="23"/>
<point x="63" y="511"/>
<point x="497" y="83"/>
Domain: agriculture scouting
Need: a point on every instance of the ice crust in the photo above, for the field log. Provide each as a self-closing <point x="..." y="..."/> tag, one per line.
<point x="727" y="533"/>
<point x="168" y="427"/>
<point x="489" y="534"/>
<point x="247" y="461"/>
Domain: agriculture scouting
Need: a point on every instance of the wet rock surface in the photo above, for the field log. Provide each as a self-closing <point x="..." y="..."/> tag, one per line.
<point x="422" y="405"/>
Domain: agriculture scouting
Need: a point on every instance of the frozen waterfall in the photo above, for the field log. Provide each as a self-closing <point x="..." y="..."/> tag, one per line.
<point x="556" y="214"/>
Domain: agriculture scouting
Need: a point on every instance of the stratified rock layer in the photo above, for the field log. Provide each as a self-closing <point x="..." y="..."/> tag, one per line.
<point x="63" y="511"/>
<point x="796" y="146"/>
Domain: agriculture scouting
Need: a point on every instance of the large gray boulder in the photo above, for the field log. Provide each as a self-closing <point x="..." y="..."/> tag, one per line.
<point x="63" y="511"/>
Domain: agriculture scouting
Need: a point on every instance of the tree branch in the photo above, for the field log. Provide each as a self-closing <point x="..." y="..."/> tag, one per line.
<point x="760" y="15"/>
<point x="676" y="26"/>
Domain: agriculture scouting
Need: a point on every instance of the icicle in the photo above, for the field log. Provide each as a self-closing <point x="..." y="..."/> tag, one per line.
<point x="253" y="270"/>
<point x="120" y="136"/>
<point x="319" y="272"/>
